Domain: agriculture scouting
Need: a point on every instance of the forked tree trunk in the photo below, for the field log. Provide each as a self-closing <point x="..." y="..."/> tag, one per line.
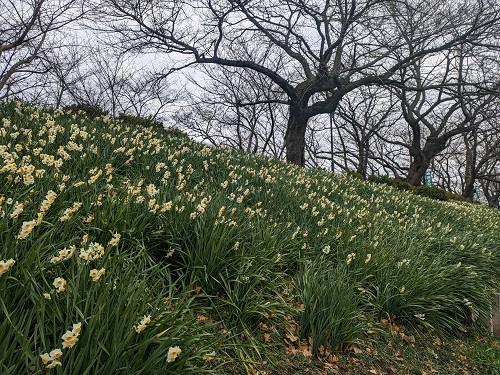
<point x="421" y="158"/>
<point x="418" y="166"/>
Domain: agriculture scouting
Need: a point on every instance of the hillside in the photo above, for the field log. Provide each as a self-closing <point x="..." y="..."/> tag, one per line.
<point x="180" y="258"/>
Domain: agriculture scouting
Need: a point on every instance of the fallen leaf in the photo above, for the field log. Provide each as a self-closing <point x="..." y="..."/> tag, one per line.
<point x="372" y="371"/>
<point x="437" y="341"/>
<point x="202" y="318"/>
<point x="332" y="358"/>
<point x="356" y="350"/>
<point x="306" y="352"/>
<point x="395" y="328"/>
<point x="310" y="339"/>
<point x="407" y="338"/>
<point x="267" y="337"/>
<point x="322" y="350"/>
<point x="291" y="337"/>
<point x="389" y="344"/>
<point x="292" y="349"/>
<point x="197" y="289"/>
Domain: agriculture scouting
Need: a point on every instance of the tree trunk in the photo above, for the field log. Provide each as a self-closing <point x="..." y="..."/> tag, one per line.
<point x="363" y="154"/>
<point x="419" y="164"/>
<point x="421" y="158"/>
<point x="295" y="137"/>
<point x="470" y="168"/>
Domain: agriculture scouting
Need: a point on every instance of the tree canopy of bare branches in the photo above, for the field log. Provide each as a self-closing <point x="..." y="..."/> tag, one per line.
<point x="26" y="33"/>
<point x="307" y="49"/>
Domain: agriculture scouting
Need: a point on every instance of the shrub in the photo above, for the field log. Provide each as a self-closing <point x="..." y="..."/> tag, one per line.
<point x="455" y="197"/>
<point x="432" y="192"/>
<point x="354" y="174"/>
<point x="176" y="132"/>
<point x="90" y="110"/>
<point x="392" y="181"/>
<point x="146" y="122"/>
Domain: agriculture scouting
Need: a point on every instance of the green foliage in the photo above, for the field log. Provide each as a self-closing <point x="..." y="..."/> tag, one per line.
<point x="431" y="192"/>
<point x="423" y="190"/>
<point x="331" y="315"/>
<point x="91" y="111"/>
<point x="416" y="294"/>
<point x="455" y="197"/>
<point x="146" y="122"/>
<point x="486" y="357"/>
<point x="353" y="174"/>
<point x="172" y="131"/>
<point x="391" y="181"/>
<point x="216" y="234"/>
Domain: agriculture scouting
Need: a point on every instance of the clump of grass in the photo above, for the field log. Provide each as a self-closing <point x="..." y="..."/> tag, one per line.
<point x="486" y="357"/>
<point x="331" y="315"/>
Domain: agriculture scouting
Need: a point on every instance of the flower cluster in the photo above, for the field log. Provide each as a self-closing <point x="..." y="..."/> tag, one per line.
<point x="69" y="211"/>
<point x="59" y="283"/>
<point x="26" y="229"/>
<point x="420" y="316"/>
<point x="146" y="319"/>
<point x="63" y="254"/>
<point x="96" y="274"/>
<point x="173" y="353"/>
<point x="50" y="360"/>
<point x="93" y="252"/>
<point x="5" y="265"/>
<point x="69" y="339"/>
<point x="209" y="356"/>
<point x="115" y="240"/>
<point x="404" y="262"/>
<point x="18" y="210"/>
<point x="350" y="258"/>
<point x="46" y="203"/>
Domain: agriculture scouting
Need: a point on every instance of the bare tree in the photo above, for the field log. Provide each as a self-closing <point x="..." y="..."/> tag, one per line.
<point x="241" y="110"/>
<point x="361" y="116"/>
<point x="452" y="104"/>
<point x="27" y="29"/>
<point x="89" y="74"/>
<point x="306" y="48"/>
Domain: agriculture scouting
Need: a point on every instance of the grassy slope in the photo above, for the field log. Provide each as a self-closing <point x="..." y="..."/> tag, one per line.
<point x="229" y="252"/>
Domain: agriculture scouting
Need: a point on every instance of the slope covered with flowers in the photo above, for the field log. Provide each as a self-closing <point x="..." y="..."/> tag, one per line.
<point x="163" y="255"/>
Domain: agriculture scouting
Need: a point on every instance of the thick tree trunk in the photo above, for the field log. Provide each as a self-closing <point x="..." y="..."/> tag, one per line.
<point x="491" y="197"/>
<point x="295" y="137"/>
<point x="418" y="165"/>
<point x="421" y="158"/>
